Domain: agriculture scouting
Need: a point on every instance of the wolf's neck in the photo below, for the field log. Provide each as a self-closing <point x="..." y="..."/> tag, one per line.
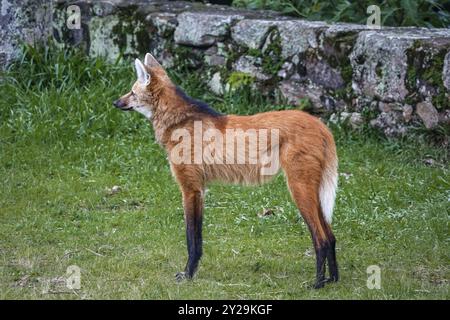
<point x="163" y="122"/>
<point x="170" y="113"/>
<point x="175" y="108"/>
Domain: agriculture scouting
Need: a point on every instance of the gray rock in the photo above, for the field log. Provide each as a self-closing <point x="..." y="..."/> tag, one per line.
<point x="294" y="91"/>
<point x="390" y="123"/>
<point x="28" y="21"/>
<point x="251" y="33"/>
<point x="224" y="49"/>
<point x="338" y="118"/>
<point x="335" y="118"/>
<point x="103" y="8"/>
<point x="296" y="36"/>
<point x="212" y="58"/>
<point x="356" y="120"/>
<point x="384" y="106"/>
<point x="390" y="106"/>
<point x="337" y="42"/>
<point x="444" y="117"/>
<point x="407" y="113"/>
<point x="212" y="50"/>
<point x="321" y="73"/>
<point x="215" y="60"/>
<point x="215" y="84"/>
<point x="166" y="59"/>
<point x="428" y="113"/>
<point x="202" y="28"/>
<point x="295" y="59"/>
<point x="361" y="103"/>
<point x="107" y="41"/>
<point x="251" y="65"/>
<point x="287" y="69"/>
<point x="70" y="36"/>
<point x="446" y="71"/>
<point x="102" y="43"/>
<point x="164" y="22"/>
<point x="379" y="66"/>
<point x="336" y="29"/>
<point x="271" y="39"/>
<point x="379" y="60"/>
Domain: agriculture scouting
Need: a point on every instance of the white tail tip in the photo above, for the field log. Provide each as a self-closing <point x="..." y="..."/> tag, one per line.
<point x="327" y="192"/>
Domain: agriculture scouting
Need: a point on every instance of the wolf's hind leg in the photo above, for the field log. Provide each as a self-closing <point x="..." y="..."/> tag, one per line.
<point x="193" y="216"/>
<point x="304" y="192"/>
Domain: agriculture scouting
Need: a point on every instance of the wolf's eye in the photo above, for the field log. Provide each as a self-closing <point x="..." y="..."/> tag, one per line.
<point x="133" y="93"/>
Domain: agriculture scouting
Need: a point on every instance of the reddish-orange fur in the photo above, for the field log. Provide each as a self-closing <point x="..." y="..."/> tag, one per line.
<point x="307" y="154"/>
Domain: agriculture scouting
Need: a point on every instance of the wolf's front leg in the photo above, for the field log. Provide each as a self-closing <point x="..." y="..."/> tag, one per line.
<point x="193" y="215"/>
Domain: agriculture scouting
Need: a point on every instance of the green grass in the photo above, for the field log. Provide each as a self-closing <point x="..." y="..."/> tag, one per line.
<point x="63" y="146"/>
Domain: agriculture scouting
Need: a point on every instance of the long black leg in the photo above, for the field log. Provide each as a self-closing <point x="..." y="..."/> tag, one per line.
<point x="331" y="258"/>
<point x="193" y="213"/>
<point x="330" y="245"/>
<point x="321" y="255"/>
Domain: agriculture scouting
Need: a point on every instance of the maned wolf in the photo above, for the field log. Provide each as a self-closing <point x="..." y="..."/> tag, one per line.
<point x="299" y="144"/>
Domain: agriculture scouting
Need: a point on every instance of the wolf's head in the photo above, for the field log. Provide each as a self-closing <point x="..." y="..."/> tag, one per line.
<point x="144" y="95"/>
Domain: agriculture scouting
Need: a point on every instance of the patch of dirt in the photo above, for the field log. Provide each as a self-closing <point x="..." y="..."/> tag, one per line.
<point x="434" y="276"/>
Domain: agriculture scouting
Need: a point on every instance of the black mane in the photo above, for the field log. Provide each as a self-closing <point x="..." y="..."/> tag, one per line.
<point x="199" y="105"/>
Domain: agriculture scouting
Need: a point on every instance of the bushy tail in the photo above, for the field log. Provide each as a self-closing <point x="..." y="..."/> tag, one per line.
<point x="328" y="185"/>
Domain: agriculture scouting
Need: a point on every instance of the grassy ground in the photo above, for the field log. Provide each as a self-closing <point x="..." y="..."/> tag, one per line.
<point x="63" y="146"/>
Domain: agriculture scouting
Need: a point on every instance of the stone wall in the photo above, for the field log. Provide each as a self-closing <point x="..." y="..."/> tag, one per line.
<point x="28" y="21"/>
<point x="392" y="79"/>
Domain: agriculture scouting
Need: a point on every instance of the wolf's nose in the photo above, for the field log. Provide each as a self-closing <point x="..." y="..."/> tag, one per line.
<point x="118" y="103"/>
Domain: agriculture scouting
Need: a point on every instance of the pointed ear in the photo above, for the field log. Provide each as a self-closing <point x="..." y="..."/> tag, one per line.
<point x="151" y="61"/>
<point x="141" y="72"/>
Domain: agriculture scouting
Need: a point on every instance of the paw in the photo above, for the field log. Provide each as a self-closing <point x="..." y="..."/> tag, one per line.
<point x="181" y="276"/>
<point x="332" y="279"/>
<point x="319" y="284"/>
